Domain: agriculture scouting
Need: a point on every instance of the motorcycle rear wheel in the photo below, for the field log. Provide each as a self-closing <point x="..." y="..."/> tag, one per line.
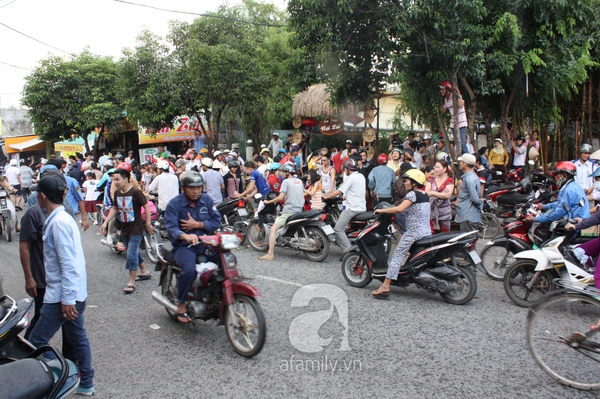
<point x="355" y="270"/>
<point x="555" y="337"/>
<point x="495" y="259"/>
<point x="466" y="288"/>
<point x="151" y="242"/>
<point x="169" y="289"/>
<point x="7" y="226"/>
<point x="257" y="236"/>
<point x="323" y="244"/>
<point x="245" y="325"/>
<point x="516" y="278"/>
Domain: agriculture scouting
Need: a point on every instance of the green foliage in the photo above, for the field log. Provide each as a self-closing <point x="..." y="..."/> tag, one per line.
<point x="72" y="96"/>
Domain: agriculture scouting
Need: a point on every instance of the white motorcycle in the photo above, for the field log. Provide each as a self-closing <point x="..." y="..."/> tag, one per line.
<point x="7" y="215"/>
<point x="530" y="277"/>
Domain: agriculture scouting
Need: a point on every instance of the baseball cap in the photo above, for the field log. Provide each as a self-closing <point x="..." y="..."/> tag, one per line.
<point x="48" y="168"/>
<point x="469" y="159"/>
<point x="275" y="134"/>
<point x="52" y="184"/>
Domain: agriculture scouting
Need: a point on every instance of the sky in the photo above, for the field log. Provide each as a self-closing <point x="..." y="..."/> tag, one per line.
<point x="68" y="26"/>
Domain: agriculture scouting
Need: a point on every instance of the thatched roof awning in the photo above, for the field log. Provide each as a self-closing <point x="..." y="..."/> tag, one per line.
<point x="315" y="101"/>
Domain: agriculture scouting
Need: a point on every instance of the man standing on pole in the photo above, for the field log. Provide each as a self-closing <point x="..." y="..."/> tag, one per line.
<point x="448" y="106"/>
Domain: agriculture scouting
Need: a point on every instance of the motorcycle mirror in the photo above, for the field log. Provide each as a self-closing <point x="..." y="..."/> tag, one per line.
<point x="258" y="196"/>
<point x="581" y="202"/>
<point x="566" y="207"/>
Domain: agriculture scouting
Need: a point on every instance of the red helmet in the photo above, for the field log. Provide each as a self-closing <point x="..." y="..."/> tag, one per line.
<point x="124" y="165"/>
<point x="445" y="85"/>
<point x="382" y="159"/>
<point x="566" y="167"/>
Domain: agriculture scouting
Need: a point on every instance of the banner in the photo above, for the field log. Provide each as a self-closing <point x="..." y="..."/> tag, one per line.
<point x="183" y="130"/>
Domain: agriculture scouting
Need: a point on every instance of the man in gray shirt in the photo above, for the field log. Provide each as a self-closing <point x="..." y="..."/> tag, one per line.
<point x="26" y="179"/>
<point x="469" y="197"/>
<point x="292" y="194"/>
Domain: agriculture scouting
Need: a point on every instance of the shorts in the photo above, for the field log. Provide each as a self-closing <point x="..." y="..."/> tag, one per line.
<point x="90" y="206"/>
<point x="18" y="188"/>
<point x="281" y="219"/>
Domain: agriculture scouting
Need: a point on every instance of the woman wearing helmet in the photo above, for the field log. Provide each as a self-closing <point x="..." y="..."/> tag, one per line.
<point x="417" y="210"/>
<point x="273" y="177"/>
<point x="570" y="193"/>
<point x="395" y="160"/>
<point x="233" y="180"/>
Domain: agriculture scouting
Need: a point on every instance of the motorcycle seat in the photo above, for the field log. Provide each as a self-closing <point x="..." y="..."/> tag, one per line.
<point x="26" y="378"/>
<point x="437" y="239"/>
<point x="493" y="189"/>
<point x="166" y="255"/>
<point x="304" y="215"/>
<point x="513" y="199"/>
<point x="363" y="217"/>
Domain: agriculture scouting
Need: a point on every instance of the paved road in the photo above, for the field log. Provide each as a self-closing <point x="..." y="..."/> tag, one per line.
<point x="413" y="345"/>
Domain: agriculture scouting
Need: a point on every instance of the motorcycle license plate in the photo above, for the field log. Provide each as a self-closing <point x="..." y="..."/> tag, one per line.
<point x="2" y="193"/>
<point x="242" y="212"/>
<point x="328" y="229"/>
<point x="476" y="259"/>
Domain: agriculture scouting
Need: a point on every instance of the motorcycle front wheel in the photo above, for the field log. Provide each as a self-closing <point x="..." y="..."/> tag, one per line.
<point x="168" y="285"/>
<point x="245" y="325"/>
<point x="493" y="225"/>
<point x="7" y="227"/>
<point x="257" y="236"/>
<point x="151" y="242"/>
<point x="322" y="243"/>
<point x="495" y="259"/>
<point x="355" y="270"/>
<point x="466" y="288"/>
<point x="516" y="278"/>
<point x="555" y="335"/>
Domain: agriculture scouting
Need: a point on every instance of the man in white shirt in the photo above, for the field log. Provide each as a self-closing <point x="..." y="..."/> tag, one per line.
<point x="520" y="151"/>
<point x="213" y="181"/>
<point x="165" y="185"/>
<point x="13" y="175"/>
<point x="353" y="189"/>
<point x="585" y="167"/>
<point x="129" y="158"/>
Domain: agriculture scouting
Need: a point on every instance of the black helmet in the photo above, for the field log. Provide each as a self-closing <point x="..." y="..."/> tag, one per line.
<point x="351" y="164"/>
<point x="192" y="179"/>
<point x="232" y="164"/>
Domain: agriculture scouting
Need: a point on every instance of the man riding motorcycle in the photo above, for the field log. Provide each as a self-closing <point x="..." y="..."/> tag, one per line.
<point x="187" y="216"/>
<point x="570" y="193"/>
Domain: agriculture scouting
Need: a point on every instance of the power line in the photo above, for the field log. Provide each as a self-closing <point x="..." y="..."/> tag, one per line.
<point x="29" y="37"/>
<point x="14" y="66"/>
<point x="202" y="15"/>
<point x="8" y="3"/>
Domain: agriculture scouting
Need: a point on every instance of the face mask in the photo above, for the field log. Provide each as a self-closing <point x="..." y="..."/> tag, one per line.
<point x="597" y="185"/>
<point x="561" y="181"/>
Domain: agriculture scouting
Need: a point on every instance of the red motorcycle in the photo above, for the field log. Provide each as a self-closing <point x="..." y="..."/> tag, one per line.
<point x="218" y="293"/>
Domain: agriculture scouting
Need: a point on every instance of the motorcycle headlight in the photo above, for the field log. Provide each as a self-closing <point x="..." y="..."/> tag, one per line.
<point x="230" y="241"/>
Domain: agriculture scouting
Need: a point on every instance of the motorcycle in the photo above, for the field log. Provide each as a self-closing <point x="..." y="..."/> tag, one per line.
<point x="149" y="242"/>
<point x="530" y="277"/>
<point x="7" y="209"/>
<point x="233" y="213"/>
<point x="519" y="236"/>
<point x="218" y="294"/>
<point x="24" y="371"/>
<point x="427" y="264"/>
<point x="305" y="231"/>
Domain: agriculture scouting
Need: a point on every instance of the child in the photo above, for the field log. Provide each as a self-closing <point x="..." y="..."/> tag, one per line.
<point x="91" y="195"/>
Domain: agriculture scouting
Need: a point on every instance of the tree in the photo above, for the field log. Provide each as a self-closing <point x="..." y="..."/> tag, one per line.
<point x="71" y="97"/>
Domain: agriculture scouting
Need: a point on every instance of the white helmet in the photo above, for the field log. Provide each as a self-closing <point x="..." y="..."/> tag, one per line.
<point x="13" y="162"/>
<point x="217" y="164"/>
<point x="217" y="153"/>
<point x="164" y="165"/>
<point x="207" y="162"/>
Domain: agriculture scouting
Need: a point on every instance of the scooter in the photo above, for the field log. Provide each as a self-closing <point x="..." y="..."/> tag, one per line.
<point x="149" y="242"/>
<point x="7" y="210"/>
<point x="233" y="213"/>
<point x="24" y="371"/>
<point x="305" y="231"/>
<point x="530" y="277"/>
<point x="218" y="294"/>
<point x="431" y="263"/>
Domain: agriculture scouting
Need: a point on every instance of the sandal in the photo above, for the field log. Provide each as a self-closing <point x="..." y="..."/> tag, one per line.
<point x="181" y="316"/>
<point x="381" y="295"/>
<point x="130" y="289"/>
<point x="266" y="257"/>
<point x="120" y="247"/>
<point x="596" y="326"/>
<point x="143" y="277"/>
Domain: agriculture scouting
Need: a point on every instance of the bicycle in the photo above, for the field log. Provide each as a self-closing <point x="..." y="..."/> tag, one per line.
<point x="562" y="335"/>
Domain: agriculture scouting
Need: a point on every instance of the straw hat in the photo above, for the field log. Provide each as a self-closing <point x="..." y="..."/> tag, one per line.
<point x="533" y="153"/>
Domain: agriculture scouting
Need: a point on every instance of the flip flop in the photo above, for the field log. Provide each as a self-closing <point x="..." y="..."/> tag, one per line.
<point x="143" y="277"/>
<point x="381" y="295"/>
<point x="266" y="257"/>
<point x="183" y="316"/>
<point x="130" y="289"/>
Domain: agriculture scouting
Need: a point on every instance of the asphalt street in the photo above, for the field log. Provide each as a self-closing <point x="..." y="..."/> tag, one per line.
<point x="413" y="345"/>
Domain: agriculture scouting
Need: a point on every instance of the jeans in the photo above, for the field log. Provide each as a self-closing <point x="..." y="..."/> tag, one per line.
<point x="67" y="349"/>
<point x="340" y="229"/>
<point x="132" y="243"/>
<point x="186" y="259"/>
<point x="463" y="140"/>
<point x="50" y="321"/>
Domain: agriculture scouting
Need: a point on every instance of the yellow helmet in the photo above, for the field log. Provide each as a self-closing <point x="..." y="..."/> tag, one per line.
<point x="203" y="150"/>
<point x="416" y="175"/>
